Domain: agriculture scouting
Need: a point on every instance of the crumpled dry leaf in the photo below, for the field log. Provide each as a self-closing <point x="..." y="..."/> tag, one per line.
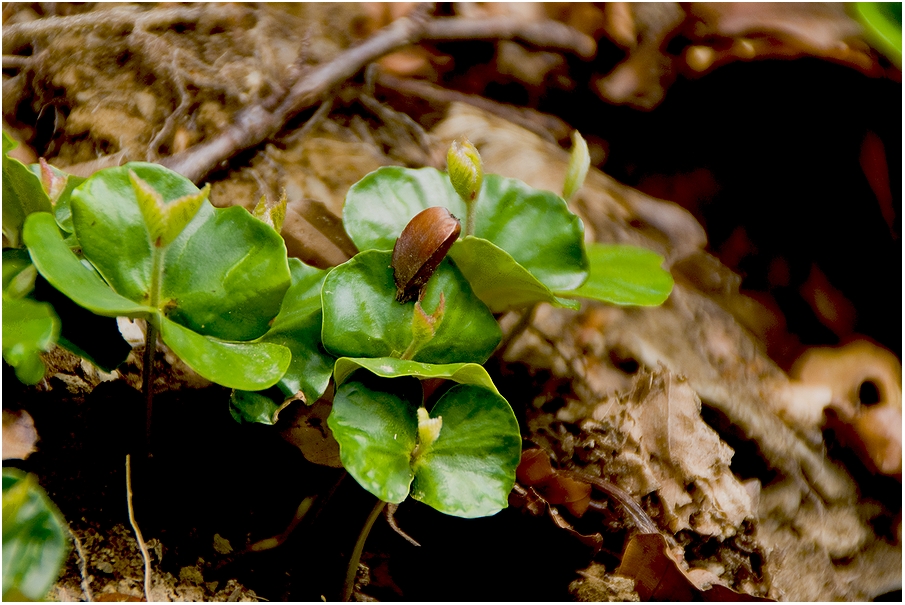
<point x="659" y="576"/>
<point x="667" y="448"/>
<point x="19" y="435"/>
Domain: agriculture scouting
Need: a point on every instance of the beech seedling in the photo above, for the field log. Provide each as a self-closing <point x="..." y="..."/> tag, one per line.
<point x="209" y="280"/>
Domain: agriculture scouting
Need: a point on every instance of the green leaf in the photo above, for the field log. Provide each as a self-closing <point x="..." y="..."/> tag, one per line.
<point x="165" y="220"/>
<point x="227" y="275"/>
<point x="22" y="194"/>
<point x="624" y="275"/>
<point x="34" y="538"/>
<point x="470" y="469"/>
<point x="239" y="365"/>
<point x="111" y="229"/>
<point x="254" y="407"/>
<point x="535" y="227"/>
<point x="363" y="319"/>
<point x="467" y="471"/>
<point x="499" y="281"/>
<point x="29" y="327"/>
<point x="374" y="421"/>
<point x="224" y="275"/>
<point x="390" y="367"/>
<point x="66" y="273"/>
<point x="298" y="328"/>
<point x="18" y="273"/>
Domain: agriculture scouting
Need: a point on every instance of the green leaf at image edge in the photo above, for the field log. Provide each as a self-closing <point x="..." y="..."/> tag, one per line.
<point x="246" y="366"/>
<point x="624" y="275"/>
<point x="22" y="194"/>
<point x="29" y="327"/>
<point x="390" y="367"/>
<point x="34" y="538"/>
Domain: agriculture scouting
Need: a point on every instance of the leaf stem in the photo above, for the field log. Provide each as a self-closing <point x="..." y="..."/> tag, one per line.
<point x="352" y="570"/>
<point x="470" y="217"/>
<point x="147" y="370"/>
<point x="147" y="381"/>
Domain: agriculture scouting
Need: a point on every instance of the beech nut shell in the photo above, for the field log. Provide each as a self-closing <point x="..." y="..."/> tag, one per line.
<point x="421" y="248"/>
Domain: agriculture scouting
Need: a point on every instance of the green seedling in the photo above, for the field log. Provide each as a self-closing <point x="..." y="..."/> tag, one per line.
<point x="151" y="246"/>
<point x="209" y="280"/>
<point x="400" y="311"/>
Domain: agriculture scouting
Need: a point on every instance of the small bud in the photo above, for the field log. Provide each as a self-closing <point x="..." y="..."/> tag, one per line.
<point x="424" y="327"/>
<point x="579" y="162"/>
<point x="466" y="170"/>
<point x="272" y="213"/>
<point x="53" y="183"/>
<point x="165" y="220"/>
<point x="428" y="429"/>
<point x="420" y="249"/>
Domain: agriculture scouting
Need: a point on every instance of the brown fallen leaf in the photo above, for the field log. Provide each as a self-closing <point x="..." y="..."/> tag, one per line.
<point x="19" y="435"/>
<point x="309" y="432"/>
<point x="658" y="575"/>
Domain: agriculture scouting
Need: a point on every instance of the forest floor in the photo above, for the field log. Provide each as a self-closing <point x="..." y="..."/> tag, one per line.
<point x="757" y="150"/>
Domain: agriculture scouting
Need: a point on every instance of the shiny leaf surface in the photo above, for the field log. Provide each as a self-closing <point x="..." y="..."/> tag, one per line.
<point x="363" y="319"/>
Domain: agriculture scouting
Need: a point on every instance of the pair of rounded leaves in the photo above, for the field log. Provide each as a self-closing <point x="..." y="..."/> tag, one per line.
<point x="526" y="244"/>
<point x="217" y="280"/>
<point x="468" y="471"/>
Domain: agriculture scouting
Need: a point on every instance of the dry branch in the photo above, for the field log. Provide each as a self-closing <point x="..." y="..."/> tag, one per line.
<point x="119" y="20"/>
<point x="544" y="125"/>
<point x="255" y="124"/>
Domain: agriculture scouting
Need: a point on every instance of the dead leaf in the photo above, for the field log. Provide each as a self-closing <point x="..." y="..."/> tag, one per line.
<point x="659" y="577"/>
<point x="309" y="432"/>
<point x="19" y="435"/>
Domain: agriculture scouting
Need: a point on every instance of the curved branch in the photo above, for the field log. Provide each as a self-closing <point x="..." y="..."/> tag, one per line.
<point x="255" y="124"/>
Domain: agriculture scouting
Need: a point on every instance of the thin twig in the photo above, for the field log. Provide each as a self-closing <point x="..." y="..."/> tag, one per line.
<point x="83" y="564"/>
<point x="544" y="125"/>
<point x="642" y="520"/>
<point x="255" y="123"/>
<point x="17" y="61"/>
<point x="316" y="118"/>
<point x="543" y="34"/>
<point x="119" y="19"/>
<point x="141" y="543"/>
<point x="170" y="123"/>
